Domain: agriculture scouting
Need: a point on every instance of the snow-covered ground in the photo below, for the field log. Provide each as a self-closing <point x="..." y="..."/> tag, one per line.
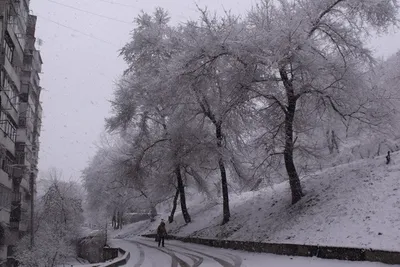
<point x="354" y="205"/>
<point x="145" y="253"/>
<point x="75" y="262"/>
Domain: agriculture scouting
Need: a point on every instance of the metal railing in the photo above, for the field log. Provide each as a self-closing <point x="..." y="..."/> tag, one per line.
<point x="14" y="225"/>
<point x="16" y="197"/>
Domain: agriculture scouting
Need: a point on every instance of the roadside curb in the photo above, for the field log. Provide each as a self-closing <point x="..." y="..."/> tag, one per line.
<point x="118" y="261"/>
<point x="324" y="252"/>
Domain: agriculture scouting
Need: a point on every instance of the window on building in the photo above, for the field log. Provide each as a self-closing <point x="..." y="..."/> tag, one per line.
<point x="8" y="47"/>
<point x="2" y="75"/>
<point x="7" y="127"/>
<point x="12" y="93"/>
<point x="20" y="146"/>
<point x="28" y="155"/>
<point x="11" y="18"/>
<point x="22" y="122"/>
<point x="6" y="82"/>
<point x="10" y="250"/>
<point x="25" y="88"/>
<point x="20" y="157"/>
<point x="5" y="197"/>
<point x="7" y="165"/>
<point x="24" y="12"/>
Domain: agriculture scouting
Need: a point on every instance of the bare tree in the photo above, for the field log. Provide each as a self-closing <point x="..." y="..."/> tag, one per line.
<point x="59" y="215"/>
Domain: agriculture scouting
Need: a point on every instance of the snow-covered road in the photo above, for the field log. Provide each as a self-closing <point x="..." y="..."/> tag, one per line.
<point x="145" y="253"/>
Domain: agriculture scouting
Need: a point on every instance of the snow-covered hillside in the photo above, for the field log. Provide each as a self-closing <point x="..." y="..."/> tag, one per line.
<point x="355" y="205"/>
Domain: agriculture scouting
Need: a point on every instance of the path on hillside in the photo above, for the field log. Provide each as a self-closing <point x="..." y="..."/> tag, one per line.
<point x="146" y="253"/>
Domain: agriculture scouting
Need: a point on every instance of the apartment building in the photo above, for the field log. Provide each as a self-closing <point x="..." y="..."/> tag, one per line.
<point x="20" y="122"/>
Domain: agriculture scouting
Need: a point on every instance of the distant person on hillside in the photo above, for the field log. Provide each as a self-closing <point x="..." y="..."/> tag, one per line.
<point x="161" y="233"/>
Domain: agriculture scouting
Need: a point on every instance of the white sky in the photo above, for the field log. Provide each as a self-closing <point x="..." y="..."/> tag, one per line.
<point x="79" y="71"/>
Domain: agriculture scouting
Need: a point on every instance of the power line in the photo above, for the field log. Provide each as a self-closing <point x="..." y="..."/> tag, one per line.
<point x="116" y="3"/>
<point x="78" y="31"/>
<point x="89" y="12"/>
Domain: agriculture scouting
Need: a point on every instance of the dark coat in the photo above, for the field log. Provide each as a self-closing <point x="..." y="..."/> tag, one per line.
<point x="161" y="231"/>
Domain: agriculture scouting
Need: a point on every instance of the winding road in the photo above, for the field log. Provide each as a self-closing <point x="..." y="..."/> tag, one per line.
<point x="146" y="253"/>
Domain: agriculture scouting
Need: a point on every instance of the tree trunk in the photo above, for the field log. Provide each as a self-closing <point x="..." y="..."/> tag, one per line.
<point x="114" y="221"/>
<point x="224" y="181"/>
<point x="120" y="220"/>
<point x="117" y="221"/>
<point x="153" y="212"/>
<point x="294" y="181"/>
<point x="182" y="196"/>
<point x="174" y="204"/>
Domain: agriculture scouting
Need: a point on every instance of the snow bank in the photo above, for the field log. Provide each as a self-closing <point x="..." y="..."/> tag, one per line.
<point x="354" y="205"/>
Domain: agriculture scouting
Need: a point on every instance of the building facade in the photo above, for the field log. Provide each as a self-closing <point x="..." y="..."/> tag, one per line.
<point x="20" y="123"/>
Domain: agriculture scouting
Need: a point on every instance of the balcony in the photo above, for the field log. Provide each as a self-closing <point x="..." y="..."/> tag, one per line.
<point x="35" y="79"/>
<point x="18" y="20"/>
<point x="28" y="95"/>
<point x="15" y="198"/>
<point x="8" y="107"/>
<point x="24" y="206"/>
<point x="12" y="72"/>
<point x="39" y="111"/>
<point x="32" y="78"/>
<point x="37" y="63"/>
<point x="14" y="225"/>
<point x="6" y="141"/>
<point x="32" y="61"/>
<point x="24" y="122"/>
<point x="25" y="181"/>
<point x="5" y="180"/>
<point x="35" y="159"/>
<point x="35" y="94"/>
<point x="7" y="135"/>
<point x="26" y="77"/>
<point x="25" y="89"/>
<point x="20" y="157"/>
<point x="15" y="217"/>
<point x="24" y="135"/>
<point x="23" y="226"/>
<point x="23" y="154"/>
<point x="18" y="51"/>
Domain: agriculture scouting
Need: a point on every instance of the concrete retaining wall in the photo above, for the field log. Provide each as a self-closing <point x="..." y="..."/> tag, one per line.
<point x="325" y="252"/>
<point x="118" y="261"/>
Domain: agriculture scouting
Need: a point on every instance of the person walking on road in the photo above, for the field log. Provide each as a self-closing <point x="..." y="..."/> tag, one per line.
<point x="161" y="233"/>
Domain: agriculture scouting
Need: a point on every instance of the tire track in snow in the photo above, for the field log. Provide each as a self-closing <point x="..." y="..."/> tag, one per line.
<point x="175" y="259"/>
<point x="141" y="256"/>
<point x="197" y="260"/>
<point x="237" y="261"/>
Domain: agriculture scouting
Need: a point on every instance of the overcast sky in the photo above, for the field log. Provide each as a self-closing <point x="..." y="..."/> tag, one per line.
<point x="81" y="63"/>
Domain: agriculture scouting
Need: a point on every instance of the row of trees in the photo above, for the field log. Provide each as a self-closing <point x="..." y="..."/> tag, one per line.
<point x="226" y="100"/>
